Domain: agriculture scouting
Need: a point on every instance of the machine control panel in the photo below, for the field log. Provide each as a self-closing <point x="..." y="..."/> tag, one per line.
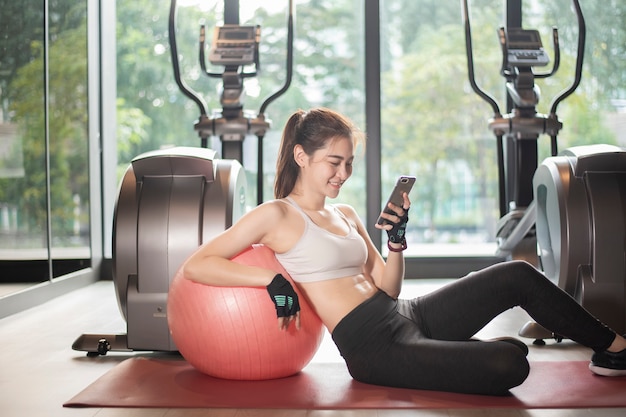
<point x="235" y="45"/>
<point x="524" y="48"/>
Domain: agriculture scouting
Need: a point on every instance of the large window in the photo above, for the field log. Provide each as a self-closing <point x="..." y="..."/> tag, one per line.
<point x="432" y="124"/>
<point x="44" y="179"/>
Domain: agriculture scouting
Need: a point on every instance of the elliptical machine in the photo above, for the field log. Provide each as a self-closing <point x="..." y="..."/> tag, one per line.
<point x="171" y="201"/>
<point x="567" y="216"/>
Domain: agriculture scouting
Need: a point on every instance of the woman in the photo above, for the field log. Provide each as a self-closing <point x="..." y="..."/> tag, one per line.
<point x="424" y="343"/>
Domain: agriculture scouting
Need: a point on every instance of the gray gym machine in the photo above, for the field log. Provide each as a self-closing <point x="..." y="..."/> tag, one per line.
<point x="566" y="216"/>
<point x="171" y="201"/>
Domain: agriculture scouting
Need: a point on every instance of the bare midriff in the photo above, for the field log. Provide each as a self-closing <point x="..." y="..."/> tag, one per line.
<point x="333" y="299"/>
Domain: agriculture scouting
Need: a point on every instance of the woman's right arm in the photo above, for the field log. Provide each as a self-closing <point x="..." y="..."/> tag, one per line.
<point x="211" y="263"/>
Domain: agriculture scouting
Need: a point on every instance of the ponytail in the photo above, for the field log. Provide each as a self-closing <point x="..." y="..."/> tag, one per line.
<point x="286" y="168"/>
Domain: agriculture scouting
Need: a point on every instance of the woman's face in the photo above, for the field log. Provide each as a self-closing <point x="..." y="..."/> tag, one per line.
<point x="329" y="167"/>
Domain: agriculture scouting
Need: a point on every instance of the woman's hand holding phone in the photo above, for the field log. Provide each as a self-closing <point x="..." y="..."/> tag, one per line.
<point x="396" y="203"/>
<point x="395" y="215"/>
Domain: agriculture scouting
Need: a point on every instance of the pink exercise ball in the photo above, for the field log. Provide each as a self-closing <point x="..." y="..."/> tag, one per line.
<point x="232" y="332"/>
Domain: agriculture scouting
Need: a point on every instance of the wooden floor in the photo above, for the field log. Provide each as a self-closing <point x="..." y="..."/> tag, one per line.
<point x="39" y="370"/>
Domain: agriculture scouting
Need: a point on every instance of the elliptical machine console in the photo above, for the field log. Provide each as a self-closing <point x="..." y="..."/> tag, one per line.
<point x="235" y="45"/>
<point x="524" y="48"/>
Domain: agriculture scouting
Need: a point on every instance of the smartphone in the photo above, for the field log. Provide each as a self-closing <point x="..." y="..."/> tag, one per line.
<point x="403" y="185"/>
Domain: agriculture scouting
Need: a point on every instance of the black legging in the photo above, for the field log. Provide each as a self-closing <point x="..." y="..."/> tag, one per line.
<point x="424" y="343"/>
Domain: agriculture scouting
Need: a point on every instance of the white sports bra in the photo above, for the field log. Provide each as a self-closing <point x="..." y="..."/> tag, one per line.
<point x="321" y="255"/>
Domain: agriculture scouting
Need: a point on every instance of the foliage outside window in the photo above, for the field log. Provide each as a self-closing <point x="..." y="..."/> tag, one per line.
<point x="24" y="209"/>
<point x="433" y="125"/>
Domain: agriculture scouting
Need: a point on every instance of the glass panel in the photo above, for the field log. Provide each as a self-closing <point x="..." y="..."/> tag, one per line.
<point x="434" y="127"/>
<point x="23" y="242"/>
<point x="24" y="251"/>
<point x="69" y="175"/>
<point x="152" y="113"/>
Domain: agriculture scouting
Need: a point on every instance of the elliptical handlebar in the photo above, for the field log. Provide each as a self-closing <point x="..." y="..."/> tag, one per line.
<point x="289" y="60"/>
<point x="470" y="62"/>
<point x="580" y="54"/>
<point x="201" y="54"/>
<point x="557" y="55"/>
<point x="186" y="90"/>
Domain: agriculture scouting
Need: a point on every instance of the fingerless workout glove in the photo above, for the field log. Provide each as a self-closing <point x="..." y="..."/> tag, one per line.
<point x="397" y="233"/>
<point x="284" y="296"/>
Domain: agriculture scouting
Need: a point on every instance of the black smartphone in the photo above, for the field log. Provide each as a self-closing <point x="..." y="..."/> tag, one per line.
<point x="403" y="185"/>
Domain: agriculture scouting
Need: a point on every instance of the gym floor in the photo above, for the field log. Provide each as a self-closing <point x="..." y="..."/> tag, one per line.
<point x="40" y="371"/>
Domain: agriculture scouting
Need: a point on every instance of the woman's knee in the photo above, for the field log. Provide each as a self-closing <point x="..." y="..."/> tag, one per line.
<point x="522" y="269"/>
<point x="508" y="369"/>
<point x="524" y="276"/>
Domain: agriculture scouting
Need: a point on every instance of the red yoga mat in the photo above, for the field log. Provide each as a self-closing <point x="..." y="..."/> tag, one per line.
<point x="163" y="383"/>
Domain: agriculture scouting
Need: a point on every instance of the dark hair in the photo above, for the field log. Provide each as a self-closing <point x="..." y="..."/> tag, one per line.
<point x="311" y="130"/>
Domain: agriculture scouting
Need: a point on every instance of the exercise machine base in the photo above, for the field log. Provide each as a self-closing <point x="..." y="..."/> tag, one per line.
<point x="101" y="344"/>
<point x="533" y="330"/>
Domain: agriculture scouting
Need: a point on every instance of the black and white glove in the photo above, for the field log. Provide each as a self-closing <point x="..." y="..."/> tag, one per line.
<point x="397" y="234"/>
<point x="283" y="296"/>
